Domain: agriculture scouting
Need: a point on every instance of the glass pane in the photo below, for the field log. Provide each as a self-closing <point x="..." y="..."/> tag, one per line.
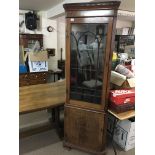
<point x="88" y="43"/>
<point x="33" y="43"/>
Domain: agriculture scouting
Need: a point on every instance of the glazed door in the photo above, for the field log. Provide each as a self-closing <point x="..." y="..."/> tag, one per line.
<point x="88" y="51"/>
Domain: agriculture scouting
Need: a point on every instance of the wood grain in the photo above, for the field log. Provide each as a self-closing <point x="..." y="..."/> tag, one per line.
<point x="85" y="128"/>
<point x="123" y="115"/>
<point x="93" y="13"/>
<point x="101" y="5"/>
<point x="42" y="96"/>
<point x="85" y="123"/>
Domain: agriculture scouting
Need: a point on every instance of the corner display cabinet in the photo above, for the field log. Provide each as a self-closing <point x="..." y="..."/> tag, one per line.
<point x="90" y="31"/>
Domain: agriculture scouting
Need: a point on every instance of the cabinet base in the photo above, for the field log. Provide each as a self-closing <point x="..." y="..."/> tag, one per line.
<point x="69" y="146"/>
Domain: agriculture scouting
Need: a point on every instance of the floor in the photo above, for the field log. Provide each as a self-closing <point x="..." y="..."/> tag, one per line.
<point x="48" y="143"/>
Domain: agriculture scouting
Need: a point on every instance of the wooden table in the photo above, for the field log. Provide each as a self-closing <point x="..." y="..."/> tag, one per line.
<point x="123" y="115"/>
<point x="44" y="96"/>
<point x="120" y="116"/>
<point x="41" y="96"/>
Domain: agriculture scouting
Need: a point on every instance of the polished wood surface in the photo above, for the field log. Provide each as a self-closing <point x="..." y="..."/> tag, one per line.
<point x="93" y="13"/>
<point x="106" y="66"/>
<point x="41" y="96"/>
<point x="85" y="129"/>
<point x="100" y="5"/>
<point x="85" y="123"/>
<point x="110" y="62"/>
<point x="123" y="115"/>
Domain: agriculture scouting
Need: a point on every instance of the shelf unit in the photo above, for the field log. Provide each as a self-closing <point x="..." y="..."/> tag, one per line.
<point x="89" y="46"/>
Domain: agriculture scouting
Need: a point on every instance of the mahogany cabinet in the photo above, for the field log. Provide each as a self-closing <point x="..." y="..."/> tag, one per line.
<point x="28" y="40"/>
<point x="90" y="31"/>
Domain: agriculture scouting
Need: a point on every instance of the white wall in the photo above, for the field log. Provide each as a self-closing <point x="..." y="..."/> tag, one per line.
<point x="50" y="41"/>
<point x="61" y="36"/>
<point x="123" y="23"/>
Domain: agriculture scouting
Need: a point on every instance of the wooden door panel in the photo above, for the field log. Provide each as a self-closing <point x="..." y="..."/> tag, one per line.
<point x="84" y="128"/>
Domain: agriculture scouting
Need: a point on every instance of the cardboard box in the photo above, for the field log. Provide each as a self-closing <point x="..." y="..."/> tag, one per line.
<point x="38" y="61"/>
<point x="121" y="107"/>
<point x="38" y="56"/>
<point x="122" y="96"/>
<point x="117" y="78"/>
<point x="120" y="81"/>
<point x="124" y="134"/>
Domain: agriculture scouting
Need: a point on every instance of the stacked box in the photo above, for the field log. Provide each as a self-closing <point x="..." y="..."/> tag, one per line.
<point x="38" y="61"/>
<point x="124" y="134"/>
<point x="122" y="100"/>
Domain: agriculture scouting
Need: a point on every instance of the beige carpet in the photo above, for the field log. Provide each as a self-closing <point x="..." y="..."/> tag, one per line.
<point x="48" y="143"/>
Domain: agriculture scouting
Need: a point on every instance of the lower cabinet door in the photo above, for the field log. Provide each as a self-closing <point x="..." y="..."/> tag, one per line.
<point x="84" y="129"/>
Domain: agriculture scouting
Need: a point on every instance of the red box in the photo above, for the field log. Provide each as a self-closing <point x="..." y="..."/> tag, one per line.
<point x="122" y="96"/>
<point x="121" y="107"/>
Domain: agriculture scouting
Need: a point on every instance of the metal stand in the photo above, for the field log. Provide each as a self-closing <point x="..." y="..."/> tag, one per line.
<point x="112" y="134"/>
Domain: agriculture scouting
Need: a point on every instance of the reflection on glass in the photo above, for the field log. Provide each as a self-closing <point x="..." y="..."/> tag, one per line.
<point x="87" y="51"/>
<point x="32" y="43"/>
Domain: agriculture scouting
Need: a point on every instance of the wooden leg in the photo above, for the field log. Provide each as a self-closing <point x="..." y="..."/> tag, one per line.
<point x="57" y="116"/>
<point x="53" y="115"/>
<point x="58" y="76"/>
<point x="58" y="123"/>
<point x="52" y="118"/>
<point x="54" y="77"/>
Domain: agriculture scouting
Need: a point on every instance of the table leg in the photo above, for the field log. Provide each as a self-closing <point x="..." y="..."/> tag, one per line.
<point x="58" y="76"/>
<point x="54" y="77"/>
<point x="58" y="123"/>
<point x="53" y="115"/>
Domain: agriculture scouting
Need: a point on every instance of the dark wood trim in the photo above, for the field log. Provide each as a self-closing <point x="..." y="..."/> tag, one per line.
<point x="106" y="64"/>
<point x="68" y="29"/>
<point x="85" y="108"/>
<point x="93" y="13"/>
<point x="106" y="20"/>
<point x="110" y="62"/>
<point x="104" y="5"/>
<point x="85" y="105"/>
<point x="104" y="136"/>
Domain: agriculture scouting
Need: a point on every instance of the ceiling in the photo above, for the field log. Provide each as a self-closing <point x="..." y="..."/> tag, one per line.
<point x="128" y="5"/>
<point x="38" y="5"/>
